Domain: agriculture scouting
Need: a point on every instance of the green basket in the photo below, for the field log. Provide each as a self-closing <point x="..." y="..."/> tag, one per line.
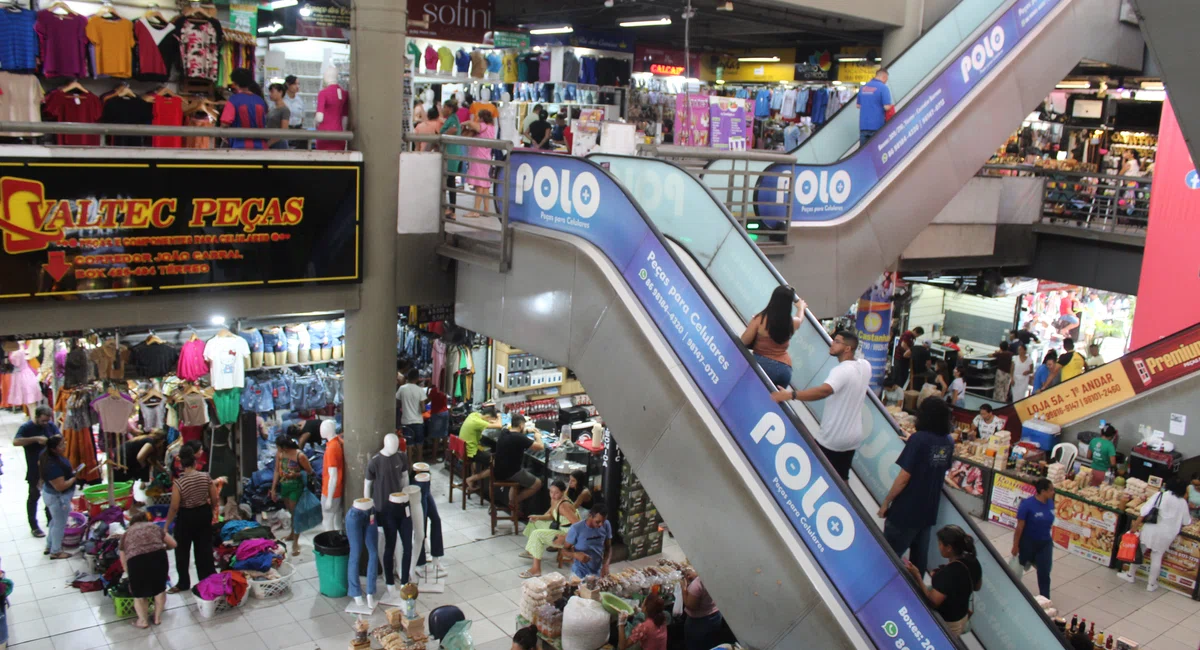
<point x="615" y="605"/>
<point x="124" y="606"/>
<point x="98" y="493"/>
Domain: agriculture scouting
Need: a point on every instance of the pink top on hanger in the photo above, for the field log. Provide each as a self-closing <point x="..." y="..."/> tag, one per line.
<point x="333" y="103"/>
<point x="192" y="365"/>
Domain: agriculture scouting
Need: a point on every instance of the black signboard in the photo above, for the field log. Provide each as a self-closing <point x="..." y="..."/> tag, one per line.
<point x="90" y="228"/>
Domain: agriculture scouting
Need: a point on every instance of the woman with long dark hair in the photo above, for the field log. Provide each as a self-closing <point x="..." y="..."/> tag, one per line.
<point x="194" y="504"/>
<point x="955" y="581"/>
<point x="578" y="492"/>
<point x="651" y="634"/>
<point x="58" y="486"/>
<point x="288" y="483"/>
<point x="768" y="334"/>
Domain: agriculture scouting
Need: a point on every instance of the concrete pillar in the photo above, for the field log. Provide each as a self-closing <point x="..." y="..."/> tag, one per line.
<point x="376" y="95"/>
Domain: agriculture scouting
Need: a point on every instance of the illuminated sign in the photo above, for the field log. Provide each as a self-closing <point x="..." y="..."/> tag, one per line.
<point x="668" y="70"/>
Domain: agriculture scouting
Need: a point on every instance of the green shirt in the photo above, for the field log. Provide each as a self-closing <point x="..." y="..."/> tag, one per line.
<point x="471" y="431"/>
<point x="1102" y="451"/>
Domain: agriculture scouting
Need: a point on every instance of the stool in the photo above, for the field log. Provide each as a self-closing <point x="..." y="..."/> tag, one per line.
<point x="457" y="449"/>
<point x="510" y="510"/>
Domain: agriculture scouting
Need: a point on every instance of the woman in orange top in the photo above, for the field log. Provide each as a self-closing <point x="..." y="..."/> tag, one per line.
<point x="768" y="334"/>
<point x="430" y="124"/>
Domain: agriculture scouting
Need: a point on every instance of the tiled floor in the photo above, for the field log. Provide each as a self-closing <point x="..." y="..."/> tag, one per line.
<point x="48" y="614"/>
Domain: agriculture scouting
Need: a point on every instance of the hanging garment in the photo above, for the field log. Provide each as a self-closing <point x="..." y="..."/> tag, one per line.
<point x="64" y="44"/>
<point x="199" y="44"/>
<point x="23" y="388"/>
<point x="192" y="365"/>
<point x="334" y="104"/>
<point x="114" y="412"/>
<point x="157" y="49"/>
<point x="113" y="45"/>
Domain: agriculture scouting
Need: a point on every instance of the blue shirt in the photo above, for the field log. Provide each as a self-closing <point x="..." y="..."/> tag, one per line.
<point x="462" y="61"/>
<point x="871" y="100"/>
<point x="791" y="137"/>
<point x="1040" y="377"/>
<point x="585" y="539"/>
<point x="32" y="429"/>
<point x="58" y="467"/>
<point x="762" y="103"/>
<point x="1038" y="518"/>
<point x="926" y="457"/>
<point x="494" y="61"/>
<point x="18" y="41"/>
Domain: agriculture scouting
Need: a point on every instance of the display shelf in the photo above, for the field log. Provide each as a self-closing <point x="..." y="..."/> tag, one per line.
<point x="295" y="365"/>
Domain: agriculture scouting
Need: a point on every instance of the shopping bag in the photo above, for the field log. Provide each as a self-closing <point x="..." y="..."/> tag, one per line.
<point x="308" y="512"/>
<point x="1131" y="549"/>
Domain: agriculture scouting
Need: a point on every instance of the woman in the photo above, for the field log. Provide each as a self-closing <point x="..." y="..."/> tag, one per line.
<point x="1130" y="163"/>
<point x="143" y="552"/>
<point x="1004" y="368"/>
<point x="479" y="171"/>
<point x="943" y="378"/>
<point x="768" y="334"/>
<point x="955" y="581"/>
<point x="279" y="117"/>
<point x="1193" y="495"/>
<point x="1031" y="540"/>
<point x="931" y="388"/>
<point x="288" y="482"/>
<point x="545" y="530"/>
<point x="194" y="506"/>
<point x="140" y="455"/>
<point x="538" y="131"/>
<point x="1157" y="537"/>
<point x="525" y="638"/>
<point x="1046" y="374"/>
<point x="579" y="494"/>
<point x="1022" y="372"/>
<point x="957" y="392"/>
<point x="704" y="621"/>
<point x="58" y="486"/>
<point x="651" y="634"/>
<point x="1094" y="360"/>
<point x="451" y="126"/>
<point x="430" y="124"/>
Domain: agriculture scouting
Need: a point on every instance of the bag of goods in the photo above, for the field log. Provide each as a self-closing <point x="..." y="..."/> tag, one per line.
<point x="584" y="625"/>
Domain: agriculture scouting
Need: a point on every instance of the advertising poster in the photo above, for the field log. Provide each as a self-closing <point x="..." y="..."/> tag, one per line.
<point x="1079" y="397"/>
<point x="1166" y="360"/>
<point x="691" y="120"/>
<point x="1007" y="494"/>
<point x="727" y="120"/>
<point x="874" y="325"/>
<point x="966" y="477"/>
<point x="1083" y="529"/>
<point x="1181" y="564"/>
<point x="468" y="21"/>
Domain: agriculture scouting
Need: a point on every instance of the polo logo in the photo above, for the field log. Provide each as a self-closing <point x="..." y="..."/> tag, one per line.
<point x="827" y="188"/>
<point x="579" y="196"/>
<point x="987" y="49"/>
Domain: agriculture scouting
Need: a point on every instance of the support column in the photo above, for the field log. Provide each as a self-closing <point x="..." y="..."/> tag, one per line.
<point x="376" y="93"/>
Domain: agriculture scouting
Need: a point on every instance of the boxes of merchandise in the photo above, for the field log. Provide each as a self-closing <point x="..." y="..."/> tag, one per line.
<point x="636" y="547"/>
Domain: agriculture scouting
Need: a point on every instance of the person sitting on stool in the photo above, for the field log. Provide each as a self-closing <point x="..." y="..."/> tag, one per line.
<point x="510" y="451"/>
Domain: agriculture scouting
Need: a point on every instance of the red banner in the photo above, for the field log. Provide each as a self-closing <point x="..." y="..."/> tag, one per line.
<point x="450" y="20"/>
<point x="664" y="61"/>
<point x="1169" y="283"/>
<point x="1164" y="361"/>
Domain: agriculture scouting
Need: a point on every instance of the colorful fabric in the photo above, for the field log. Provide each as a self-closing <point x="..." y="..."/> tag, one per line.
<point x="232" y="528"/>
<point x="64" y="44"/>
<point x="261" y="562"/>
<point x="199" y="42"/>
<point x="18" y="40"/>
<point x="253" y="547"/>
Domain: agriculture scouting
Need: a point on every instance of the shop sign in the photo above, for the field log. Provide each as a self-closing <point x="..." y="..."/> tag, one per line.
<point x="664" y="61"/>
<point x="1079" y="397"/>
<point x="874" y="326"/>
<point x="509" y="40"/>
<point x="1046" y="286"/>
<point x="94" y="228"/>
<point x="594" y="39"/>
<point x="1083" y="529"/>
<point x="816" y="67"/>
<point x="330" y="14"/>
<point x="1167" y="360"/>
<point x="827" y="192"/>
<point x="1007" y="494"/>
<point x="857" y="72"/>
<point x="467" y="21"/>
<point x="578" y="197"/>
<point x="244" y="18"/>
<point x="666" y="70"/>
<point x="1180" y="566"/>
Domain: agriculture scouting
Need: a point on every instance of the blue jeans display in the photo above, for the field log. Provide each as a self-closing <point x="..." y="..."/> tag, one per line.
<point x="914" y="539"/>
<point x="253" y="338"/>
<point x="433" y="524"/>
<point x="1039" y="552"/>
<point x="59" y="505"/>
<point x="318" y="334"/>
<point x="396" y="522"/>
<point x="362" y="532"/>
<point x="778" y="372"/>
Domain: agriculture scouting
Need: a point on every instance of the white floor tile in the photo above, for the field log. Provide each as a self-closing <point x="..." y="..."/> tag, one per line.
<point x="484" y="630"/>
<point x="251" y="641"/>
<point x="40" y="644"/>
<point x="321" y="627"/>
<point x="474" y="588"/>
<point x="220" y="630"/>
<point x="19" y="633"/>
<point x="182" y="638"/>
<point x="80" y="640"/>
<point x="149" y="642"/>
<point x="284" y="636"/>
<point x="492" y="605"/>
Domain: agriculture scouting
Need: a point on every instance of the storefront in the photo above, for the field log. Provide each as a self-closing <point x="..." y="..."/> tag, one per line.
<point x="1089" y="316"/>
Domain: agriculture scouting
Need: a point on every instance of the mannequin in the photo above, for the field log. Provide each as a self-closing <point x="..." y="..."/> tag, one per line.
<point x="430" y="574"/>
<point x="363" y="535"/>
<point x="387" y="477"/>
<point x="334" y="475"/>
<point x="337" y="332"/>
<point x="397" y="523"/>
<point x="333" y="105"/>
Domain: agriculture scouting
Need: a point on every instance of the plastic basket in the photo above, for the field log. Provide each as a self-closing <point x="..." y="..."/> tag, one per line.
<point x="77" y="524"/>
<point x="124" y="606"/>
<point x="94" y="509"/>
<point x="264" y="589"/>
<point x="210" y="608"/>
<point x="99" y="493"/>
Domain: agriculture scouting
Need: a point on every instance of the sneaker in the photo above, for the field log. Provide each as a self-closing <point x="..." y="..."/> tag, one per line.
<point x="1126" y="577"/>
<point x="37" y="532"/>
<point x="1153" y="586"/>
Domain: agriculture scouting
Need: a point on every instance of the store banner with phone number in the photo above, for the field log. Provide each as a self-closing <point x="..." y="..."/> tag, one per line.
<point x="826" y="192"/>
<point x="92" y="228"/>
<point x="580" y="198"/>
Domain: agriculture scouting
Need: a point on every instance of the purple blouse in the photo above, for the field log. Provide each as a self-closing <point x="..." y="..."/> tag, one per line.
<point x="64" y="44"/>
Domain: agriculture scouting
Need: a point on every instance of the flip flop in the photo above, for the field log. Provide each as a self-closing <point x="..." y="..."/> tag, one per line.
<point x="525" y="575"/>
<point x="525" y="554"/>
<point x="175" y="590"/>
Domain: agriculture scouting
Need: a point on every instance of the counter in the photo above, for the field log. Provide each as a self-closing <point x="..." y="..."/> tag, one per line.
<point x="1087" y="528"/>
<point x="970" y="482"/>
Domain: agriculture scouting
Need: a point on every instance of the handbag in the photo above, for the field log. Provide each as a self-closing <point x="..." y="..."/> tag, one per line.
<point x="1152" y="516"/>
<point x="554" y="523"/>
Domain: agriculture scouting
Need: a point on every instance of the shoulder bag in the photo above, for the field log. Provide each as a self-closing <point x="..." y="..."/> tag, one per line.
<point x="1152" y="516"/>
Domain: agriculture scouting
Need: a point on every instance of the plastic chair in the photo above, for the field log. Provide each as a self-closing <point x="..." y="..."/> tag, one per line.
<point x="458" y="452"/>
<point x="511" y="511"/>
<point x="1067" y="457"/>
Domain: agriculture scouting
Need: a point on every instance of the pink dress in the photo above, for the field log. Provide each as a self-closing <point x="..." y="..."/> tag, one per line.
<point x="192" y="365"/>
<point x="476" y="170"/>
<point x="333" y="103"/>
<point x="24" y="388"/>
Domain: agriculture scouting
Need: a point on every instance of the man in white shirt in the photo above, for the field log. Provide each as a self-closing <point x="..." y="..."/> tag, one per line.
<point x="412" y="397"/>
<point x="844" y="389"/>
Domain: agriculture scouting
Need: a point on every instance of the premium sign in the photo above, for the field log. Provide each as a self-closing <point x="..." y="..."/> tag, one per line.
<point x="90" y="228"/>
<point x="452" y="20"/>
<point x="1168" y="359"/>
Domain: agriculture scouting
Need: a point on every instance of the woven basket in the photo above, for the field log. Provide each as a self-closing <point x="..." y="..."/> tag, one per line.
<point x="264" y="589"/>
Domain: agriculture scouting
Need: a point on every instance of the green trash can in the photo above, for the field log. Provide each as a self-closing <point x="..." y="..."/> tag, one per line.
<point x="332" y="549"/>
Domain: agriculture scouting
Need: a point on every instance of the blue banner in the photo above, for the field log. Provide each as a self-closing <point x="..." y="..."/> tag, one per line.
<point x="576" y="196"/>
<point x="826" y="192"/>
<point x="874" y="326"/>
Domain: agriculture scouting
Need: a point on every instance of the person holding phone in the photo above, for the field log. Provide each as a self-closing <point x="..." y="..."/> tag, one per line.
<point x="58" y="486"/>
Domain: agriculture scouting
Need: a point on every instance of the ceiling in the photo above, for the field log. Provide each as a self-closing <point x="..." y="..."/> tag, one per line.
<point x="751" y="24"/>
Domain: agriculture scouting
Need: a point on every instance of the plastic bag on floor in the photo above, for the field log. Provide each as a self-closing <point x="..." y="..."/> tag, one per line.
<point x="279" y="521"/>
<point x="584" y="625"/>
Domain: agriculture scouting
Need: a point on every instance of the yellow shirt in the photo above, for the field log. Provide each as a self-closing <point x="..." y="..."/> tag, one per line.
<point x="445" y="60"/>
<point x="510" y="68"/>
<point x="1072" y="368"/>
<point x="114" y="45"/>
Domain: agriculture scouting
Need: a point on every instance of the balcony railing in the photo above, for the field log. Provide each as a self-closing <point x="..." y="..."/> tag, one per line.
<point x="1102" y="202"/>
<point x="106" y="131"/>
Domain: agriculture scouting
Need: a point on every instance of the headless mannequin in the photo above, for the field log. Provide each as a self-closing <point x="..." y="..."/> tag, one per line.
<point x="361" y="604"/>
<point x="331" y="506"/>
<point x="430" y="573"/>
<point x="331" y="111"/>
<point x="338" y="348"/>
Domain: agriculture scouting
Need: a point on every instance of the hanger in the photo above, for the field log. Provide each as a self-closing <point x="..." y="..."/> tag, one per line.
<point x="106" y="11"/>
<point x="75" y="86"/>
<point x="123" y="90"/>
<point x="154" y="14"/>
<point x="163" y="91"/>
<point x="194" y="335"/>
<point x="13" y="7"/>
<point x="153" y="339"/>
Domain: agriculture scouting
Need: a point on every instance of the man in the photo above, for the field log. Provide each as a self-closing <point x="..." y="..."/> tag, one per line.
<point x="874" y="103"/>
<point x="903" y="362"/>
<point x="911" y="506"/>
<point x="1024" y="335"/>
<point x="892" y="394"/>
<point x="533" y="116"/>
<point x="559" y="132"/>
<point x="471" y="432"/>
<point x="305" y="430"/>
<point x="32" y="436"/>
<point x="589" y="543"/>
<point x="1070" y="361"/>
<point x="1004" y="367"/>
<point x="245" y="109"/>
<point x="1104" y="454"/>
<point x="538" y="132"/>
<point x="412" y="414"/>
<point x="1067" y="318"/>
<point x="295" y="104"/>
<point x="986" y="423"/>
<point x="510" y="452"/>
<point x="841" y="430"/>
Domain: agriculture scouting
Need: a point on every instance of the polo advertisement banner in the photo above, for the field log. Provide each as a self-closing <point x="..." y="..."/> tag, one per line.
<point x="580" y="198"/>
<point x="826" y="192"/>
<point x="91" y="228"/>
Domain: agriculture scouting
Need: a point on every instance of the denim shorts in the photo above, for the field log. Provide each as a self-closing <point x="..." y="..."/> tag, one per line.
<point x="297" y="337"/>
<point x="414" y="433"/>
<point x="274" y="340"/>
<point x="281" y="392"/>
<point x="254" y="339"/>
<point x="318" y="331"/>
<point x="438" y="425"/>
<point x="256" y="396"/>
<point x="337" y="330"/>
<point x="309" y="393"/>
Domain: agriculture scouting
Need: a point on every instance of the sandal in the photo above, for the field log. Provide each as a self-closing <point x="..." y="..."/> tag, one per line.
<point x="60" y="556"/>
<point x="525" y="575"/>
<point x="525" y="555"/>
<point x="176" y="590"/>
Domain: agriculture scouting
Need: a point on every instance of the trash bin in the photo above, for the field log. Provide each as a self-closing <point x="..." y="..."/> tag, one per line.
<point x="332" y="549"/>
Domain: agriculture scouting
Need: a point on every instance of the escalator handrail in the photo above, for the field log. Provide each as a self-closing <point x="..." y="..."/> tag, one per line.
<point x="788" y="411"/>
<point x="871" y="396"/>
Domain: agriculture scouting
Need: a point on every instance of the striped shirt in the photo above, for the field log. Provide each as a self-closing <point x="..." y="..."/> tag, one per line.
<point x="18" y="41"/>
<point x="193" y="489"/>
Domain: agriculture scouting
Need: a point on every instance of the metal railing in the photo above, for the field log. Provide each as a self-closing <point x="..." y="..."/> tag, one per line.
<point x="1103" y="202"/>
<point x="106" y="131"/>
<point x="735" y="185"/>
<point x="455" y="220"/>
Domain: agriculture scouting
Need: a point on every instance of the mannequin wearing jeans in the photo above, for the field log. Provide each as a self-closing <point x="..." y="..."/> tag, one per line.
<point x="397" y="522"/>
<point x="433" y="525"/>
<point x="363" y="535"/>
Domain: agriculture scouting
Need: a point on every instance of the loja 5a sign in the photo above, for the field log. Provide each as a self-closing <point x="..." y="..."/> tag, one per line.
<point x="451" y="20"/>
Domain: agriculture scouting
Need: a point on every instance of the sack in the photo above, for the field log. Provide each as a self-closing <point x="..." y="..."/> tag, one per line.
<point x="1152" y="516"/>
<point x="584" y="624"/>
<point x="308" y="512"/>
<point x="1131" y="548"/>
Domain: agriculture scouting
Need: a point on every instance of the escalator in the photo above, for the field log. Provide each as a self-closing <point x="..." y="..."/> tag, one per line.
<point x="854" y="214"/>
<point x="782" y="544"/>
<point x="742" y="280"/>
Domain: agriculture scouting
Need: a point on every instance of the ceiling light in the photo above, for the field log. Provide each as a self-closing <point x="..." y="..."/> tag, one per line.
<point x="1074" y="85"/>
<point x="280" y="4"/>
<point x="852" y="59"/>
<point x="565" y="29"/>
<point x="1153" y="85"/>
<point x="306" y="11"/>
<point x="217" y="320"/>
<point x="654" y="21"/>
<point x="270" y="29"/>
<point x="759" y="59"/>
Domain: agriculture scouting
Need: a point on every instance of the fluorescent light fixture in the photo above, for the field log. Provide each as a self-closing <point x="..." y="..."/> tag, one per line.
<point x="852" y="59"/>
<point x="1150" y="95"/>
<point x="281" y="4"/>
<point x="306" y="11"/>
<point x="565" y="29"/>
<point x="1153" y="85"/>
<point x="759" y="59"/>
<point x="720" y="82"/>
<point x="1074" y="85"/>
<point x="270" y="29"/>
<point x="654" y="21"/>
<point x="217" y="320"/>
<point x="836" y="82"/>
